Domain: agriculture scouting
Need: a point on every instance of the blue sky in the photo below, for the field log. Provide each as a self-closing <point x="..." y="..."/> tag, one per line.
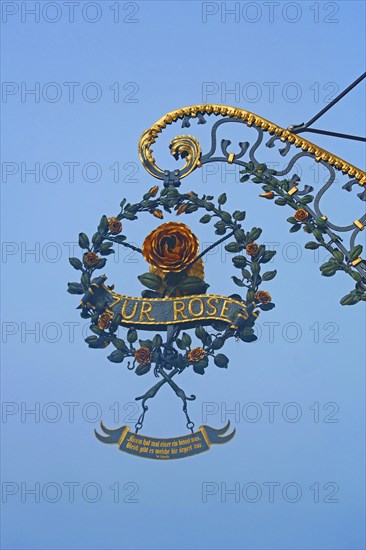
<point x="101" y="73"/>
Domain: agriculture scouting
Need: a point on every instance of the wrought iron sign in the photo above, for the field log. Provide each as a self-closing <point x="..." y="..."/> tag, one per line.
<point x="176" y="302"/>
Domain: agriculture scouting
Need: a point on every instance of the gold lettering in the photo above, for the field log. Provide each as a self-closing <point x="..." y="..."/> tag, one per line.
<point x="145" y="310"/>
<point x="179" y="310"/>
<point x="214" y="309"/>
<point x="190" y="308"/>
<point x="131" y="315"/>
<point x="224" y="309"/>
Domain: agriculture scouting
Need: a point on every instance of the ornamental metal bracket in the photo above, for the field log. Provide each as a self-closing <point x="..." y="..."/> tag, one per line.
<point x="175" y="302"/>
<point x="284" y="186"/>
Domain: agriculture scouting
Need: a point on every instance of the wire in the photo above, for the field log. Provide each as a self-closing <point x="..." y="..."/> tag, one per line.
<point x="298" y="128"/>
<point x="334" y="134"/>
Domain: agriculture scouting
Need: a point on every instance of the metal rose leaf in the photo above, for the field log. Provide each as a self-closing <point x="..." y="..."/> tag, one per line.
<point x="150" y="280"/>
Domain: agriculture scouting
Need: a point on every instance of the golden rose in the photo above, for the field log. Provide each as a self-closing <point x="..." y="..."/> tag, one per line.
<point x="143" y="356"/>
<point x="301" y="215"/>
<point x="158" y="214"/>
<point x="114" y="226"/>
<point x="91" y="258"/>
<point x="252" y="249"/>
<point x="263" y="297"/>
<point x="196" y="354"/>
<point x="104" y="321"/>
<point x="171" y="247"/>
<point x="153" y="190"/>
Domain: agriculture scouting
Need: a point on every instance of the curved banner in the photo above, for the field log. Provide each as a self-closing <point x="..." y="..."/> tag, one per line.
<point x="150" y="313"/>
<point x="164" y="449"/>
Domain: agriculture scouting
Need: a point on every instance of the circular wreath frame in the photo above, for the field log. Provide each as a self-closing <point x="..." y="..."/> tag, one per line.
<point x="248" y="260"/>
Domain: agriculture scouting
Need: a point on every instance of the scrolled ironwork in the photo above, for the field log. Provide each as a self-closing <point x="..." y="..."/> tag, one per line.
<point x="245" y="155"/>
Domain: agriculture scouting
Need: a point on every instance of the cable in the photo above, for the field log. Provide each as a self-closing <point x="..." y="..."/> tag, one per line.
<point x="328" y="133"/>
<point x="298" y="128"/>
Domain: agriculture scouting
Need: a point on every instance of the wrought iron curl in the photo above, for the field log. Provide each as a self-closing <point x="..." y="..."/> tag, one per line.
<point x="183" y="146"/>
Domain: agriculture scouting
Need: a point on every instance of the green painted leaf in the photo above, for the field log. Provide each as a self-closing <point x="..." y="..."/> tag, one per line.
<point x="221" y="325"/>
<point x="96" y="329"/>
<point x="221" y="361"/>
<point x="142" y="369"/>
<point x="255" y="268"/>
<point x="157" y="341"/>
<point x="254" y="234"/>
<point x="239" y="236"/>
<point x="120" y="344"/>
<point x="321" y="222"/>
<point x="311" y="245"/>
<point x="97" y="238"/>
<point x="318" y="234"/>
<point x="355" y="252"/>
<point x="217" y="343"/>
<point x="76" y="263"/>
<point x="248" y="338"/>
<point x="116" y="356"/>
<point x="338" y="255"/>
<point x="281" y="201"/>
<point x="101" y="263"/>
<point x="267" y="257"/>
<point x="106" y="252"/>
<point x="237" y="281"/>
<point x="180" y="344"/>
<point x="349" y="300"/>
<point x="119" y="239"/>
<point x="268" y="275"/>
<point x="150" y="280"/>
<point x="117" y="318"/>
<point x="198" y="369"/>
<point x="103" y="225"/>
<point x="146" y="344"/>
<point x="129" y="216"/>
<point x="266" y="307"/>
<point x="233" y="247"/>
<point x="239" y="215"/>
<point x="85" y="314"/>
<point x="220" y="228"/>
<point x="75" y="288"/>
<point x="131" y="335"/>
<point x="307" y="199"/>
<point x="106" y="245"/>
<point x="150" y="294"/>
<point x="356" y="276"/>
<point x="202" y="362"/>
<point x="85" y="280"/>
<point x="200" y="333"/>
<point x="239" y="261"/>
<point x="83" y="240"/>
<point x="295" y="228"/>
<point x="193" y="285"/>
<point x="226" y="217"/>
<point x="186" y="340"/>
